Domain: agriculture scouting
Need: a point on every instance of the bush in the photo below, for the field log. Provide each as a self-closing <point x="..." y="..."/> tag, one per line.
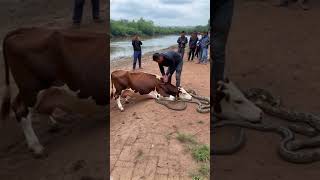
<point x="147" y="28"/>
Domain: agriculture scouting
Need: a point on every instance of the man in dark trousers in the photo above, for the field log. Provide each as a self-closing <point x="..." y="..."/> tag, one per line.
<point x="182" y="41"/>
<point x="192" y="45"/>
<point x="222" y="12"/>
<point x="78" y="9"/>
<point x="136" y="44"/>
<point x="173" y="61"/>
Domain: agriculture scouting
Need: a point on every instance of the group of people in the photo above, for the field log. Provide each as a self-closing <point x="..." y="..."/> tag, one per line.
<point x="174" y="60"/>
<point x="198" y="47"/>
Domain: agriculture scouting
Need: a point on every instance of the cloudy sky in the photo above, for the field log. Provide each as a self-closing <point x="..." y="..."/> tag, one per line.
<point x="163" y="12"/>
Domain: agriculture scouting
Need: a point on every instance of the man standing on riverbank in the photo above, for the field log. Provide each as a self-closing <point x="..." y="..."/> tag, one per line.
<point x="204" y="45"/>
<point x="78" y="10"/>
<point x="192" y="45"/>
<point x="137" y="53"/>
<point x="173" y="61"/>
<point x="182" y="41"/>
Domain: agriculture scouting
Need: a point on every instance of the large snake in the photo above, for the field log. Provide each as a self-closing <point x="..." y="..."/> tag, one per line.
<point x="290" y="149"/>
<point x="180" y="104"/>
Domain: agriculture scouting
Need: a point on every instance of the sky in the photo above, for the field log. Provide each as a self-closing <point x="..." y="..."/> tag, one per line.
<point x="163" y="12"/>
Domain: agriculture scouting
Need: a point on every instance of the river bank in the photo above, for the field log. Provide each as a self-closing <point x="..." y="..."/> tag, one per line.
<point x="123" y="47"/>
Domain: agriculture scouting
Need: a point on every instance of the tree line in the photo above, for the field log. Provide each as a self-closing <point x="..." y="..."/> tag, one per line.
<point x="123" y="28"/>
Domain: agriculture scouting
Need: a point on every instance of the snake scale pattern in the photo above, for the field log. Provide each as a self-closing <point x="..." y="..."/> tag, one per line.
<point x="203" y="103"/>
<point x="306" y="150"/>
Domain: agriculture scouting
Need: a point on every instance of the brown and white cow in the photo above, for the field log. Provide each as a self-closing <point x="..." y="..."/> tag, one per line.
<point x="231" y="104"/>
<point x="41" y="58"/>
<point x="144" y="83"/>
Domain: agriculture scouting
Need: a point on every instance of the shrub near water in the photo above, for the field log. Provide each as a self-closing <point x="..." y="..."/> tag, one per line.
<point x="121" y="28"/>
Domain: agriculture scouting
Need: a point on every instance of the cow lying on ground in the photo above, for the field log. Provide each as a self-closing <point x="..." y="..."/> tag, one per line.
<point x="41" y="58"/>
<point x="144" y="83"/>
<point x="232" y="104"/>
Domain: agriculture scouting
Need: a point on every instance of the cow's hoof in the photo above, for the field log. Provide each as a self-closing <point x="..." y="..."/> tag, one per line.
<point x="121" y="110"/>
<point x="39" y="152"/>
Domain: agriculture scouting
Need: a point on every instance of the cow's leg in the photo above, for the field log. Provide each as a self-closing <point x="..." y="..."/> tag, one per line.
<point x="119" y="103"/>
<point x="30" y="135"/>
<point x="23" y="116"/>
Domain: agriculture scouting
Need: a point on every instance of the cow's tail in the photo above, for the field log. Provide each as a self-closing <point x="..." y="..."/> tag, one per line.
<point x="6" y="99"/>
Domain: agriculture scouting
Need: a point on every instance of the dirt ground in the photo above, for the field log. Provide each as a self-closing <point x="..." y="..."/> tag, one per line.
<point x="79" y="150"/>
<point x="143" y="142"/>
<point x="276" y="49"/>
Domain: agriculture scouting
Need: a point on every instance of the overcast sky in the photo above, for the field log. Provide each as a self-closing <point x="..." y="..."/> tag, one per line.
<point x="163" y="12"/>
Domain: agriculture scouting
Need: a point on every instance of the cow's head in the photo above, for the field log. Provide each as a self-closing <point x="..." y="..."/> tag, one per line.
<point x="167" y="89"/>
<point x="230" y="103"/>
<point x="183" y="94"/>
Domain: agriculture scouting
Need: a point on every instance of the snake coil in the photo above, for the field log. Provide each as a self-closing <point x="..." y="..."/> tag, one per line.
<point x="291" y="150"/>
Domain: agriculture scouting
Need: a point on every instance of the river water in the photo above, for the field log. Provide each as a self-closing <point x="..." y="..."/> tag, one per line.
<point x="123" y="48"/>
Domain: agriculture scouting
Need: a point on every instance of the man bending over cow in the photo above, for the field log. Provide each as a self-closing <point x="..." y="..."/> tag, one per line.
<point x="173" y="61"/>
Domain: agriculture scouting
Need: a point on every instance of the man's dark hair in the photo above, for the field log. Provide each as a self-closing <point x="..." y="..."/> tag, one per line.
<point x="182" y="32"/>
<point x="156" y="56"/>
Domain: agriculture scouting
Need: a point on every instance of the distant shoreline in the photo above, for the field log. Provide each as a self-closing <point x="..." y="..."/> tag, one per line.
<point x="120" y="38"/>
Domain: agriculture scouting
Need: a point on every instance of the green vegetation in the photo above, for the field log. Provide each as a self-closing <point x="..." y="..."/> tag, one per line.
<point x="200" y="152"/>
<point x="123" y="28"/>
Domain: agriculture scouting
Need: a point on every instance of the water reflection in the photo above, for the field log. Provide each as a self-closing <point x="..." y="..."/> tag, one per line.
<point x="123" y="48"/>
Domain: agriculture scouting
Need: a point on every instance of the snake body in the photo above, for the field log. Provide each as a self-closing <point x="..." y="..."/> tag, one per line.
<point x="286" y="151"/>
<point x="203" y="103"/>
<point x="290" y="149"/>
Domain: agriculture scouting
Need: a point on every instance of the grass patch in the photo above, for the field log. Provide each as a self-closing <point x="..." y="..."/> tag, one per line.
<point x="186" y="138"/>
<point x="201" y="153"/>
<point x="202" y="173"/>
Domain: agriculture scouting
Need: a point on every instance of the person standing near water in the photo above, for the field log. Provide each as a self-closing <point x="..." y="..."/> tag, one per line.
<point x="182" y="41"/>
<point x="192" y="45"/>
<point x="204" y="44"/>
<point x="197" y="53"/>
<point x="137" y="53"/>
